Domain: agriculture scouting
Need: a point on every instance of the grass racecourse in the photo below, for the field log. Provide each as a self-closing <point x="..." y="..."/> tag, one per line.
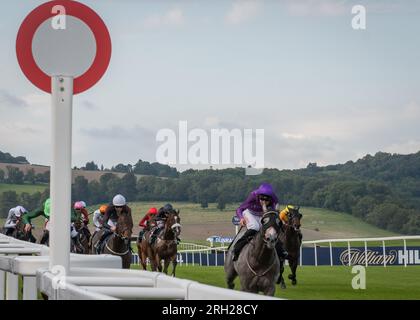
<point x="328" y="283"/>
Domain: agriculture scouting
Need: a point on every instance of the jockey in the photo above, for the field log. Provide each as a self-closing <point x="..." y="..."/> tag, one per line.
<point x="110" y="219"/>
<point x="12" y="219"/>
<point x="81" y="205"/>
<point x="80" y="215"/>
<point x="250" y="212"/>
<point x="160" y="222"/>
<point x="143" y="224"/>
<point x="45" y="211"/>
<point x="284" y="216"/>
<point x="98" y="217"/>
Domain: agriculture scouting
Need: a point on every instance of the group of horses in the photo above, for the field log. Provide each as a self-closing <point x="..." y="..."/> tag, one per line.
<point x="258" y="266"/>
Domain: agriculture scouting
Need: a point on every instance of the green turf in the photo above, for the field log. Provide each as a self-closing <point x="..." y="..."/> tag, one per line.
<point x="327" y="282"/>
<point x="20" y="188"/>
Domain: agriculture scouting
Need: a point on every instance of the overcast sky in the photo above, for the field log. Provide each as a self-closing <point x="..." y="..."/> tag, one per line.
<point x="322" y="91"/>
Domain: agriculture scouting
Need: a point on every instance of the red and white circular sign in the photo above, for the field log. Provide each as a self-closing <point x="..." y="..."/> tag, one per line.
<point x="79" y="47"/>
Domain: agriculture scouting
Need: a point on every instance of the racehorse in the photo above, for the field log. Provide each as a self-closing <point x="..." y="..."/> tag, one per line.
<point x="20" y="233"/>
<point x="143" y="246"/>
<point x="258" y="264"/>
<point x="292" y="239"/>
<point x="166" y="246"/>
<point x="81" y="243"/>
<point x="118" y="243"/>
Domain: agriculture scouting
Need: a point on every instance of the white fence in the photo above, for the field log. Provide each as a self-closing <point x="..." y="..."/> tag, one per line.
<point x="199" y="254"/>
<point x="383" y="240"/>
<point x="93" y="277"/>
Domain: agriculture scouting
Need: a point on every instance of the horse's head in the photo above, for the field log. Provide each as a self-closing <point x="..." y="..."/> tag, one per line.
<point x="294" y="217"/>
<point x="270" y="228"/>
<point x="173" y="222"/>
<point x="124" y="226"/>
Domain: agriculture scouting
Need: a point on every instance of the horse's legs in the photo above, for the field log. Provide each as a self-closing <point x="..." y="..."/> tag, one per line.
<point x="293" y="266"/>
<point x="281" y="279"/>
<point x="174" y="263"/>
<point x="166" y="263"/>
<point x="231" y="274"/>
<point x="142" y="256"/>
<point x="158" y="262"/>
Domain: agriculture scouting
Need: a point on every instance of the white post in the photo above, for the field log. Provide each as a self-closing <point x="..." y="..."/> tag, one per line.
<point x="215" y="255"/>
<point x="193" y="260"/>
<point x="30" y="291"/>
<point x="201" y="259"/>
<point x="331" y="260"/>
<point x="12" y="286"/>
<point x="366" y="259"/>
<point x="236" y="229"/>
<point x="208" y="263"/>
<point x="348" y="250"/>
<point x="186" y="258"/>
<point x="405" y="253"/>
<point x="316" y="255"/>
<point x="301" y="257"/>
<point x="2" y="283"/>
<point x="62" y="96"/>
<point x="383" y="248"/>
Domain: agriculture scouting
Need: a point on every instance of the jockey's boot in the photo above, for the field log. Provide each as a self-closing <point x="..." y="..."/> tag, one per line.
<point x="248" y="235"/>
<point x="283" y="254"/>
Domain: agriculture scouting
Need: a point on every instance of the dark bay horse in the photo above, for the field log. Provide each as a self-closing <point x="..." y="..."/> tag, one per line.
<point x="292" y="239"/>
<point x="258" y="264"/>
<point x="20" y="233"/>
<point x="165" y="248"/>
<point x="82" y="240"/>
<point x="119" y="242"/>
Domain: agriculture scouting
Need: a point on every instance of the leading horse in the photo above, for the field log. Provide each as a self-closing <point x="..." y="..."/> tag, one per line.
<point x="258" y="264"/>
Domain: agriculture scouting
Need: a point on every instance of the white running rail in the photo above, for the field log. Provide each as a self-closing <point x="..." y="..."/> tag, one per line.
<point x="97" y="277"/>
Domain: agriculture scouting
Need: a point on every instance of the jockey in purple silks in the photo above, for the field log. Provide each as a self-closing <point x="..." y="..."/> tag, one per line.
<point x="250" y="212"/>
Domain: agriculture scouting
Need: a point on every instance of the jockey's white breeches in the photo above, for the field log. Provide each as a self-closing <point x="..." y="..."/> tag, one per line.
<point x="252" y="221"/>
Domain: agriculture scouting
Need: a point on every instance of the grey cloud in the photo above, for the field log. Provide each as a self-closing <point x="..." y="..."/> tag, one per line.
<point x="119" y="132"/>
<point x="89" y="105"/>
<point x="10" y="100"/>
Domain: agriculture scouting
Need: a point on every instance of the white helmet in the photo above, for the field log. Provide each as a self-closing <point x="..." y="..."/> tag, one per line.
<point x="119" y="201"/>
<point x="83" y="204"/>
<point x="19" y="210"/>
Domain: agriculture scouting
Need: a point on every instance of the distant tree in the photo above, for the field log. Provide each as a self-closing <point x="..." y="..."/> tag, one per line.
<point x="14" y="175"/>
<point x="1" y="176"/>
<point x="102" y="167"/>
<point x="204" y="204"/>
<point x="8" y="200"/>
<point x="43" y="177"/>
<point x="91" y="166"/>
<point x="80" y="189"/>
<point x="30" y="176"/>
<point x="221" y="203"/>
<point x="129" y="186"/>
